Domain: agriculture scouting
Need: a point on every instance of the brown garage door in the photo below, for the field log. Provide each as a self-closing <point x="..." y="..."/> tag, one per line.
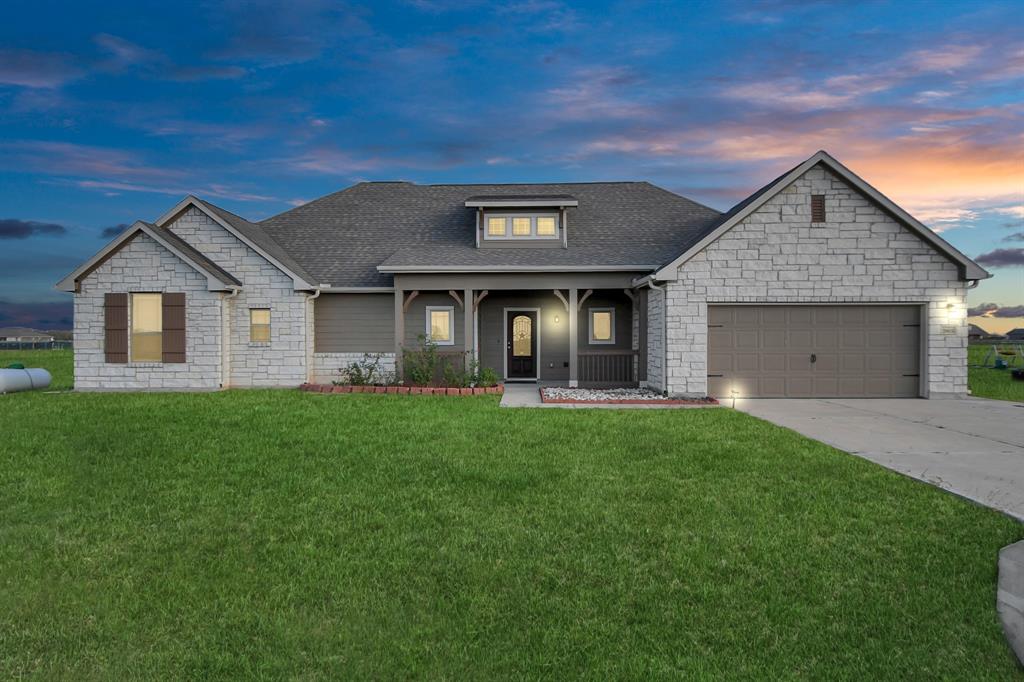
<point x="842" y="351"/>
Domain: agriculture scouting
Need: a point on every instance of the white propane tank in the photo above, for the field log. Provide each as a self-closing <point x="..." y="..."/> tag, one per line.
<point x="12" y="380"/>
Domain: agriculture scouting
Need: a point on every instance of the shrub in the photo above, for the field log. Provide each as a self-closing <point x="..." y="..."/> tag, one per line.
<point x="421" y="365"/>
<point x="486" y="378"/>
<point x="366" y="372"/>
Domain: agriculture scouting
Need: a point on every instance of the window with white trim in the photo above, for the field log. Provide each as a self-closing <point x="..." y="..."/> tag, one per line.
<point x="259" y="325"/>
<point x="521" y="226"/>
<point x="441" y="325"/>
<point x="602" y="325"/>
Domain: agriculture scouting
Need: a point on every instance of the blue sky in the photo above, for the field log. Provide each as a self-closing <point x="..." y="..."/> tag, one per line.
<point x="111" y="112"/>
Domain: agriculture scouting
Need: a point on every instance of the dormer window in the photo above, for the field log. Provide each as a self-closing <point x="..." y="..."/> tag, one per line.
<point x="522" y="226"/>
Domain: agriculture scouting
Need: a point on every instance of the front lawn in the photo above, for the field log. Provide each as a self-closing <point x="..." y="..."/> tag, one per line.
<point x="284" y="534"/>
<point x="991" y="383"/>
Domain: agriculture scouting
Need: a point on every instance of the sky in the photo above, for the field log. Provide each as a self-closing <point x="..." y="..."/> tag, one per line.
<point x="112" y="112"/>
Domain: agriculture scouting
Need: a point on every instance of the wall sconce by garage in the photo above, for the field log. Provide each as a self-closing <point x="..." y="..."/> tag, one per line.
<point x="556" y="319"/>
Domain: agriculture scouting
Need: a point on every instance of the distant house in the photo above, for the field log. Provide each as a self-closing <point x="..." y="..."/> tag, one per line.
<point x="976" y="334"/>
<point x="24" y="335"/>
<point x="1016" y="334"/>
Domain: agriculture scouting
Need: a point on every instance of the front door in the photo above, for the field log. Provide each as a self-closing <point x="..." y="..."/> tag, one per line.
<point x="521" y="341"/>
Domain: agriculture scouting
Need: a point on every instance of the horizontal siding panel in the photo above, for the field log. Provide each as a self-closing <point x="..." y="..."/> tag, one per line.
<point x="354" y="323"/>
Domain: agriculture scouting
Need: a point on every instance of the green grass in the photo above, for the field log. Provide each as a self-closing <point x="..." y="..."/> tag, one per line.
<point x="60" y="363"/>
<point x="284" y="534"/>
<point x="991" y="383"/>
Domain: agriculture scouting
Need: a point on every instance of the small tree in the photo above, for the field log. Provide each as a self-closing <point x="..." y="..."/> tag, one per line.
<point x="421" y="364"/>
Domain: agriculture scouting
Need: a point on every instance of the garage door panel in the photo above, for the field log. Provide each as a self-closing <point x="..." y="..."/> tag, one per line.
<point x="860" y="351"/>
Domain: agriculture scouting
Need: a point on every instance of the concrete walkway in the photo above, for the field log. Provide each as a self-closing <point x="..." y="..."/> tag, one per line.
<point x="972" y="447"/>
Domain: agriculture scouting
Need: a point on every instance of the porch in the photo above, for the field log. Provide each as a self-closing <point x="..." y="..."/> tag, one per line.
<point x="587" y="336"/>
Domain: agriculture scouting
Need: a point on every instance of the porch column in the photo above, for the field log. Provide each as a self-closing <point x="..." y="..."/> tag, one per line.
<point x="399" y="331"/>
<point x="574" y="346"/>
<point x="467" y="323"/>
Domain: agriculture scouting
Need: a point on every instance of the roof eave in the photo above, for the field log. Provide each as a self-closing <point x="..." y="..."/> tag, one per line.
<point x="510" y="268"/>
<point x="566" y="203"/>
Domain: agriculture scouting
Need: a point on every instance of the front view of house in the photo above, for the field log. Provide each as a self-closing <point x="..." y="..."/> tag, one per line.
<point x="816" y="285"/>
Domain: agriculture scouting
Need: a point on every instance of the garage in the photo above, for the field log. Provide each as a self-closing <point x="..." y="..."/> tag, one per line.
<point x="814" y="351"/>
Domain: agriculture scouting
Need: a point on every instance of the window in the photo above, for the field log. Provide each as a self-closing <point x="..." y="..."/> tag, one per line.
<point x="147" y="328"/>
<point x="524" y="226"/>
<point x="259" y="325"/>
<point x="441" y="325"/>
<point x="817" y="208"/>
<point x="520" y="227"/>
<point x="602" y="325"/>
<point x="496" y="226"/>
<point x="545" y="226"/>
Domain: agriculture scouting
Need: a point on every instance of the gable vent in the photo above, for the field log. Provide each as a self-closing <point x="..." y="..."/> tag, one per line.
<point x="817" y="208"/>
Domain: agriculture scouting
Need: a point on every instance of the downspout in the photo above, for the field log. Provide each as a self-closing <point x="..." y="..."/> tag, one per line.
<point x="311" y="326"/>
<point x="225" y="340"/>
<point x="649" y="282"/>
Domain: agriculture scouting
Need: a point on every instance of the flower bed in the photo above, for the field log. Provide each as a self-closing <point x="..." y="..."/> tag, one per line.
<point x="616" y="396"/>
<point x="404" y="390"/>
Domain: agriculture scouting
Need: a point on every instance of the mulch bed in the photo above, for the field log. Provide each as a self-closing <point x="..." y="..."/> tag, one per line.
<point x="403" y="390"/>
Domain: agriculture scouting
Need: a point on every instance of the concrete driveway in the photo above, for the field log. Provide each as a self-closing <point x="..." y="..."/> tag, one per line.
<point x="972" y="447"/>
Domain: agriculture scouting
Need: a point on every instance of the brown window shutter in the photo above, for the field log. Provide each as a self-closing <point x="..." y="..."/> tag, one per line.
<point x="817" y="208"/>
<point x="174" y="327"/>
<point x="115" y="327"/>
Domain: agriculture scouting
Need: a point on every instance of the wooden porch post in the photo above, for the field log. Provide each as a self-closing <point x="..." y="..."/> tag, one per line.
<point x="574" y="346"/>
<point x="399" y="331"/>
<point x="467" y="323"/>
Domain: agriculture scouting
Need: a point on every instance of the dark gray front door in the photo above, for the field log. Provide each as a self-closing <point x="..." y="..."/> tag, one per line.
<point x="837" y="351"/>
<point x="521" y="342"/>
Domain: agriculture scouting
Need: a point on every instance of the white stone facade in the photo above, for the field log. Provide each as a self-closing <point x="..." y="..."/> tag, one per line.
<point x="327" y="366"/>
<point x="283" y="361"/>
<point x="143" y="265"/>
<point x="775" y="255"/>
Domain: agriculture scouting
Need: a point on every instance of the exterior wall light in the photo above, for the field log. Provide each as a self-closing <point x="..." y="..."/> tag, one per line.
<point x="556" y="319"/>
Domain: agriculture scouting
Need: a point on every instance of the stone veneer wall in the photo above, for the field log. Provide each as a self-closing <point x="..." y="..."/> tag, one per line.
<point x="327" y="366"/>
<point x="655" y="340"/>
<point x="861" y="254"/>
<point x="143" y="265"/>
<point x="285" y="360"/>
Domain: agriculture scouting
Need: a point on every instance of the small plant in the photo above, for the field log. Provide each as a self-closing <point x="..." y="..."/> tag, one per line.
<point x="455" y="376"/>
<point x="421" y="365"/>
<point x="365" y="372"/>
<point x="486" y="378"/>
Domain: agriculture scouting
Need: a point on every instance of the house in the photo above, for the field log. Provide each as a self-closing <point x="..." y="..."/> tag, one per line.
<point x="976" y="334"/>
<point x="1015" y="334"/>
<point x="815" y="285"/>
<point x="24" y="335"/>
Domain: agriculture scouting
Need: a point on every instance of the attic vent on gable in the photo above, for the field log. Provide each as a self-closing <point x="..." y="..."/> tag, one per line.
<point x="817" y="208"/>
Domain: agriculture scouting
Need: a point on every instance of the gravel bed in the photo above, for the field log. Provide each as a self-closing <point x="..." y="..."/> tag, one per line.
<point x="598" y="395"/>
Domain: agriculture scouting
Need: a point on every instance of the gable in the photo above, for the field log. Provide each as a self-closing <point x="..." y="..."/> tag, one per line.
<point x="818" y="174"/>
<point x="217" y="279"/>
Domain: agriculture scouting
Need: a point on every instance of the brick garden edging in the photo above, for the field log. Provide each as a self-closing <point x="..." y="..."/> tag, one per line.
<point x="403" y="390"/>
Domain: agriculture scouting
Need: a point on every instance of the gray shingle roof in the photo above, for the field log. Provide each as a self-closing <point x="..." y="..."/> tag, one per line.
<point x="341" y="238"/>
<point x="202" y="261"/>
<point x="260" y="238"/>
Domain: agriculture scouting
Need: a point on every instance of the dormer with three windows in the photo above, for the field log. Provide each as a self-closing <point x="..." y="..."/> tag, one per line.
<point x="532" y="221"/>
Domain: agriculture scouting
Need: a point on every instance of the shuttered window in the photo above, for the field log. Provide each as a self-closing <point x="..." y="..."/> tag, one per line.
<point x="154" y="322"/>
<point x="115" y="327"/>
<point x="173" y="309"/>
